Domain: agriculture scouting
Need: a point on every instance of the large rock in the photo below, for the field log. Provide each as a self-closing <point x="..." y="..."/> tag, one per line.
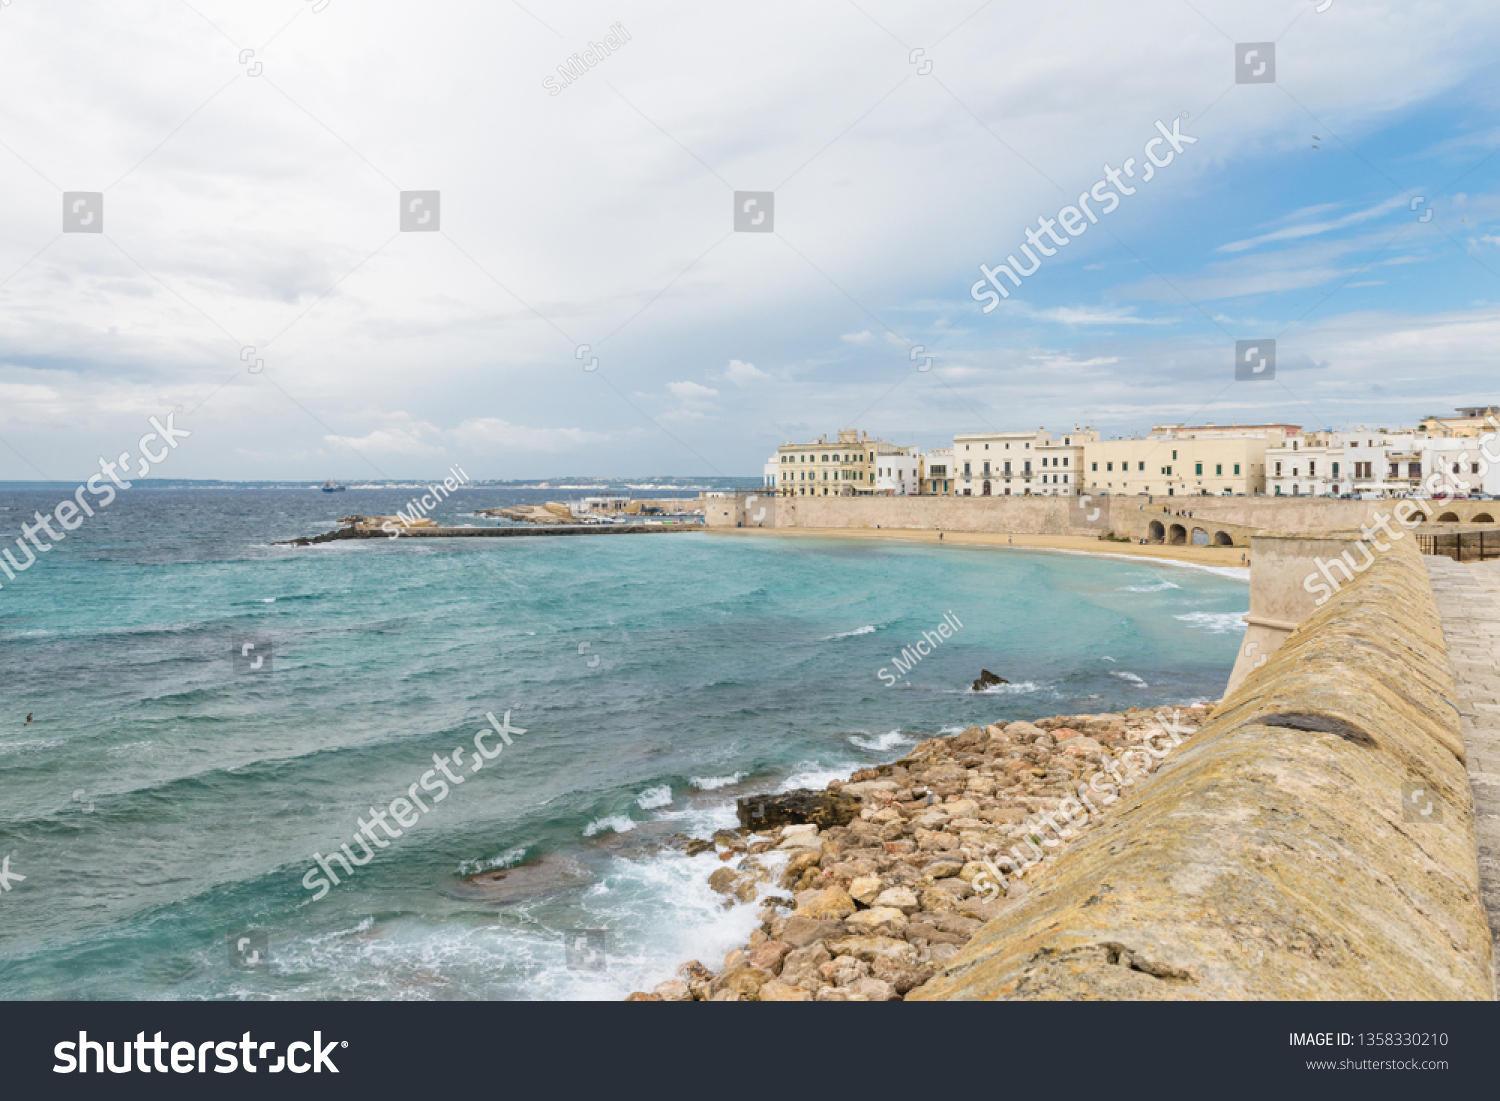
<point x="777" y="991"/>
<point x="829" y="903"/>
<point x="872" y="949"/>
<point x="820" y="808"/>
<point x="898" y="898"/>
<point x="866" y="788"/>
<point x="745" y="981"/>
<point x="882" y="920"/>
<point x="802" y="930"/>
<point x="986" y="679"/>
<point x="800" y="968"/>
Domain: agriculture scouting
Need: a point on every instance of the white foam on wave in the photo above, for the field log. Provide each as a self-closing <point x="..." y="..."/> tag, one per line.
<point x="1219" y="623"/>
<point x="712" y="783"/>
<point x="1157" y="588"/>
<point x="850" y="634"/>
<point x="881" y="743"/>
<point x="814" y="775"/>
<point x="1130" y="678"/>
<point x="507" y="859"/>
<point x="652" y="798"/>
<point x="620" y="823"/>
<point x="1008" y="689"/>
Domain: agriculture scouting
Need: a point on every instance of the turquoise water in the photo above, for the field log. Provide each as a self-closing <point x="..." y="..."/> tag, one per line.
<point x="164" y="802"/>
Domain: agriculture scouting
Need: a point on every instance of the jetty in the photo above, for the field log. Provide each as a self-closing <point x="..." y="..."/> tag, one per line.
<point x="369" y="527"/>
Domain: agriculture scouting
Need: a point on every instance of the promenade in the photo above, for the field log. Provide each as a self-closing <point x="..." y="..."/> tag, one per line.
<point x="1468" y="598"/>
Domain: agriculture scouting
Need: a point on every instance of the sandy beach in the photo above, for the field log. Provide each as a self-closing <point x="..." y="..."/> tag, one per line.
<point x="1076" y="544"/>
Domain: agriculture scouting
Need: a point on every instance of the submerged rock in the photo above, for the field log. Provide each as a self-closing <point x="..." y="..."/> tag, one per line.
<point x="534" y="877"/>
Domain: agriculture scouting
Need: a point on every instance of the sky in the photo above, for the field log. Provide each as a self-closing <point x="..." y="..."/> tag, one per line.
<point x="587" y="306"/>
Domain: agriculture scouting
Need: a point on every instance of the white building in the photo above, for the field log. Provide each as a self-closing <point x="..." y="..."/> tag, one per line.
<point x="1019" y="464"/>
<point x="997" y="464"/>
<point x="770" y="472"/>
<point x="1367" y="462"/>
<point x="898" y="471"/>
<point x="1460" y="467"/>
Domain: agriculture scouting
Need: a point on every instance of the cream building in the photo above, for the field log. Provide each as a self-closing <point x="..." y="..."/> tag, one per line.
<point x="1061" y="469"/>
<point x="937" y="472"/>
<point x="1179" y="463"/>
<point x="843" y="468"/>
<point x="1473" y="420"/>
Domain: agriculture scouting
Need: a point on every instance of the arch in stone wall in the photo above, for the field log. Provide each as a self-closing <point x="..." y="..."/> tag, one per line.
<point x="1177" y="535"/>
<point x="1448" y="518"/>
<point x="1156" y="533"/>
<point x="1200" y="537"/>
<point x="1482" y="518"/>
<point x="1223" y="539"/>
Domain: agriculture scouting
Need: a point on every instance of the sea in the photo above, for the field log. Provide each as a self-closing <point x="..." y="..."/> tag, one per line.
<point x="212" y="713"/>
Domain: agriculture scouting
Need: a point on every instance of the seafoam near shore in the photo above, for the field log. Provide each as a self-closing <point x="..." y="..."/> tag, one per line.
<point x="935" y="846"/>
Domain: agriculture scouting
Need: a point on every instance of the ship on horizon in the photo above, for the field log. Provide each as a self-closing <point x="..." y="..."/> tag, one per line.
<point x="332" y="486"/>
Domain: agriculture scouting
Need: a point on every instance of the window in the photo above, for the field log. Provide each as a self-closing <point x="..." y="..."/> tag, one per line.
<point x="1237" y="468"/>
<point x="1278" y="470"/>
<point x="1174" y="455"/>
<point x="1218" y="469"/>
<point x="1007" y="466"/>
<point x="1335" y="470"/>
<point x="1095" y="467"/>
<point x="1065" y="460"/>
<point x="1197" y="468"/>
<point x="1167" y="470"/>
<point x="1065" y="479"/>
<point x="1028" y="466"/>
<point x="966" y="469"/>
<point x="986" y="466"/>
<point x="1141" y="466"/>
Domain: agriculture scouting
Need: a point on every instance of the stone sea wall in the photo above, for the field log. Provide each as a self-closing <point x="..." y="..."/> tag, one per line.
<point x="1275" y="856"/>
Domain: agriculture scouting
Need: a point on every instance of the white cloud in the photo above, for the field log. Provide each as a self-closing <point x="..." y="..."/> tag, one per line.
<point x="741" y="373"/>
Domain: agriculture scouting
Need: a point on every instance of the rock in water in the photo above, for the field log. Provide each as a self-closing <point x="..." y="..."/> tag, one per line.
<point x="987" y="680"/>
<point x="793" y="808"/>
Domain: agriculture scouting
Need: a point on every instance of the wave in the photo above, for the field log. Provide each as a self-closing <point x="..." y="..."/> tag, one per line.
<point x="867" y="630"/>
<point x="1129" y="678"/>
<point x="1219" y="623"/>
<point x="712" y="783"/>
<point x="620" y="823"/>
<point x="814" y="775"/>
<point x="1162" y="587"/>
<point x="652" y="798"/>
<point x="1008" y="689"/>
<point x="882" y="743"/>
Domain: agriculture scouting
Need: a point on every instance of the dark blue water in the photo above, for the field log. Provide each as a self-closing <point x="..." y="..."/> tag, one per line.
<point x="164" y="801"/>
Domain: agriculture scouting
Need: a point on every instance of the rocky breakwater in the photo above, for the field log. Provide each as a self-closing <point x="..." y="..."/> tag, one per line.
<point x="870" y="887"/>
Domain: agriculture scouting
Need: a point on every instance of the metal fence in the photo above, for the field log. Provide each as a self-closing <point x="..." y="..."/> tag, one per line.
<point x="1462" y="546"/>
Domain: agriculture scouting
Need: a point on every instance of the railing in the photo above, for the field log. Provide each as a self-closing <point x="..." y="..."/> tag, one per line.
<point x="1462" y="546"/>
